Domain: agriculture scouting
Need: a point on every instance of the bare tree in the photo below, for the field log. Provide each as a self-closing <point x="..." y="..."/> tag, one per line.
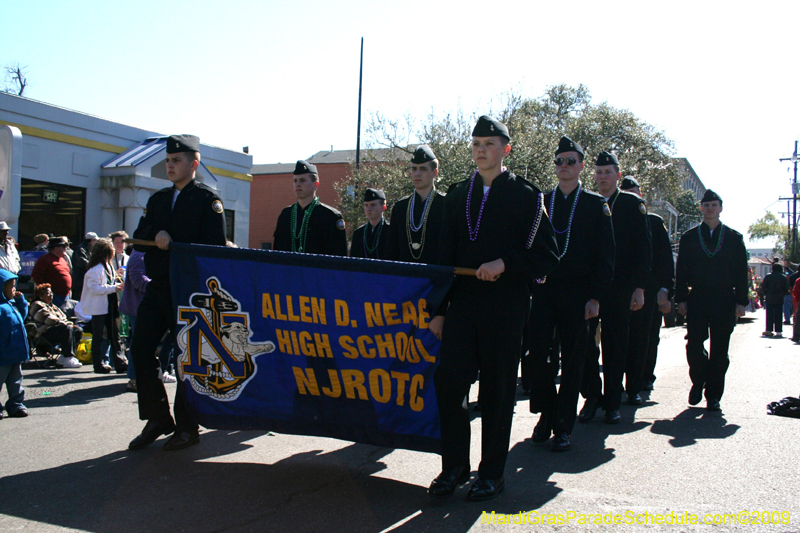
<point x="16" y="79"/>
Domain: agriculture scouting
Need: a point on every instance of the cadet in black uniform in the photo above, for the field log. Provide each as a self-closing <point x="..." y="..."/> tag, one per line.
<point x="631" y="272"/>
<point x="414" y="231"/>
<point x="646" y="323"/>
<point x="309" y="226"/>
<point x="497" y="223"/>
<point x="370" y="239"/>
<point x="712" y="261"/>
<point x="569" y="297"/>
<point x="187" y="212"/>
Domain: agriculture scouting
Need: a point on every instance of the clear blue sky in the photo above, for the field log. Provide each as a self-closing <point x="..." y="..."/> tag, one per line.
<point x="282" y="77"/>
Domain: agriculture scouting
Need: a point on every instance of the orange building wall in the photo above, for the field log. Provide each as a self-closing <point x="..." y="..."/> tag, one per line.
<point x="270" y="193"/>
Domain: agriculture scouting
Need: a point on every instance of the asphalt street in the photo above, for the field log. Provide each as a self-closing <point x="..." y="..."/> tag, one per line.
<point x="67" y="468"/>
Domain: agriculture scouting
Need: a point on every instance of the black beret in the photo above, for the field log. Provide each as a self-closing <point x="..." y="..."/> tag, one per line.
<point x="304" y="167"/>
<point x="423" y="154"/>
<point x="568" y="145"/>
<point x="710" y="196"/>
<point x="489" y="127"/>
<point x="374" y="194"/>
<point x="183" y="143"/>
<point x="606" y="158"/>
<point x="628" y="182"/>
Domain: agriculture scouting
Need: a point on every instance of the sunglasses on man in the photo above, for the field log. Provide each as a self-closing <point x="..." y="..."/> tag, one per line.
<point x="570" y="161"/>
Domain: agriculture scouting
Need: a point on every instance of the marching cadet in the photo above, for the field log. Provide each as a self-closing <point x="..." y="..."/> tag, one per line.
<point x="497" y="223"/>
<point x="370" y="239"/>
<point x="416" y="220"/>
<point x="309" y="226"/>
<point x="187" y="212"/>
<point x="712" y="261"/>
<point x="631" y="271"/>
<point x="569" y="297"/>
<point x="646" y="323"/>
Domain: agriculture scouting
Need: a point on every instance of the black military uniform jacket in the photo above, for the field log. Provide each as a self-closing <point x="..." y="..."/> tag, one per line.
<point x="398" y="248"/>
<point x="633" y="259"/>
<point x="197" y="218"/>
<point x="588" y="263"/>
<point x="509" y="215"/>
<point x="325" y="234"/>
<point x="365" y="236"/>
<point x="662" y="275"/>
<point x="722" y="274"/>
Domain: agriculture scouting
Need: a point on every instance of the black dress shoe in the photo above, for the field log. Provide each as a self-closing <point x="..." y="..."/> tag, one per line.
<point x="713" y="405"/>
<point x="696" y="394"/>
<point x="445" y="483"/>
<point x="634" y="399"/>
<point x="152" y="430"/>
<point x="560" y="442"/>
<point x="649" y="385"/>
<point x="102" y="369"/>
<point x="485" y="489"/>
<point x="612" y="416"/>
<point x="181" y="439"/>
<point x="588" y="411"/>
<point x="541" y="433"/>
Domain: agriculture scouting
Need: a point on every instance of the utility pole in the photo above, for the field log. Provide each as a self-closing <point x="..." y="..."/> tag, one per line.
<point x="358" y="135"/>
<point x="793" y="228"/>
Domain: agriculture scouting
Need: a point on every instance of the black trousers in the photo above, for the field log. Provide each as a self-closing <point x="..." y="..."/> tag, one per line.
<point x="482" y="333"/>
<point x="714" y="314"/>
<point x="557" y="318"/>
<point x="65" y="336"/>
<point x="652" y="346"/>
<point x="109" y="323"/>
<point x="639" y="333"/>
<point x="615" y="313"/>
<point x="154" y="319"/>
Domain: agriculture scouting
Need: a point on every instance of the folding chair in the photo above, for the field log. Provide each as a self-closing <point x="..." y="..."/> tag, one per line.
<point x="43" y="353"/>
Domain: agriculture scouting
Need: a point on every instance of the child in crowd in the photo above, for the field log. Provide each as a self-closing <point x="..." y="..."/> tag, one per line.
<point x="13" y="344"/>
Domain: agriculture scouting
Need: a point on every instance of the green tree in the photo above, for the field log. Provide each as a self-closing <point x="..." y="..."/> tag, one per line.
<point x="535" y="126"/>
<point x="769" y="227"/>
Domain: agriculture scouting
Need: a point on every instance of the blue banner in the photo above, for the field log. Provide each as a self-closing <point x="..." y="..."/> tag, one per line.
<point x="28" y="260"/>
<point x="309" y="344"/>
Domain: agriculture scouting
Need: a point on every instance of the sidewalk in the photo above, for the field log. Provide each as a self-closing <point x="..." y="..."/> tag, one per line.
<point x="67" y="468"/>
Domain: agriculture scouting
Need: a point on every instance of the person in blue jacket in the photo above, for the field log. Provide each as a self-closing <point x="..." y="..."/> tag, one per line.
<point x="13" y="344"/>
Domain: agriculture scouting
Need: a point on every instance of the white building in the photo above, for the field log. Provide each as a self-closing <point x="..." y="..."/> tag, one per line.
<point x="82" y="173"/>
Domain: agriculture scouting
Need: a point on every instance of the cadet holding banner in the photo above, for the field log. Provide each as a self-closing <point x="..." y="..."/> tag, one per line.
<point x="495" y="222"/>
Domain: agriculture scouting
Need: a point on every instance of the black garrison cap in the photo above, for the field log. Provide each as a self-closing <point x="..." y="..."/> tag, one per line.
<point x="710" y="196"/>
<point x="374" y="194"/>
<point x="183" y="143"/>
<point x="606" y="158"/>
<point x="568" y="145"/>
<point x="489" y="127"/>
<point x="304" y="167"/>
<point x="628" y="182"/>
<point x="423" y="154"/>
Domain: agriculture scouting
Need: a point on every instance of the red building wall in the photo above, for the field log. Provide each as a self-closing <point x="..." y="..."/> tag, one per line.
<point x="270" y="193"/>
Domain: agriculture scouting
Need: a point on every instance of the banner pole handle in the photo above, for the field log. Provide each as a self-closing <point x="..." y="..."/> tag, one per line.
<point x="140" y="242"/>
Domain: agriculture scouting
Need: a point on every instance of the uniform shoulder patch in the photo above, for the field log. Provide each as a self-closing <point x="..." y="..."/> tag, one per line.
<point x="340" y="224"/>
<point x="216" y="205"/>
<point x="606" y="209"/>
<point x="642" y="208"/>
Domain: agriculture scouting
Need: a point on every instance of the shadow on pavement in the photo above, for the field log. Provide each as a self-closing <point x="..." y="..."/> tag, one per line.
<point x="152" y="490"/>
<point x="693" y="424"/>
